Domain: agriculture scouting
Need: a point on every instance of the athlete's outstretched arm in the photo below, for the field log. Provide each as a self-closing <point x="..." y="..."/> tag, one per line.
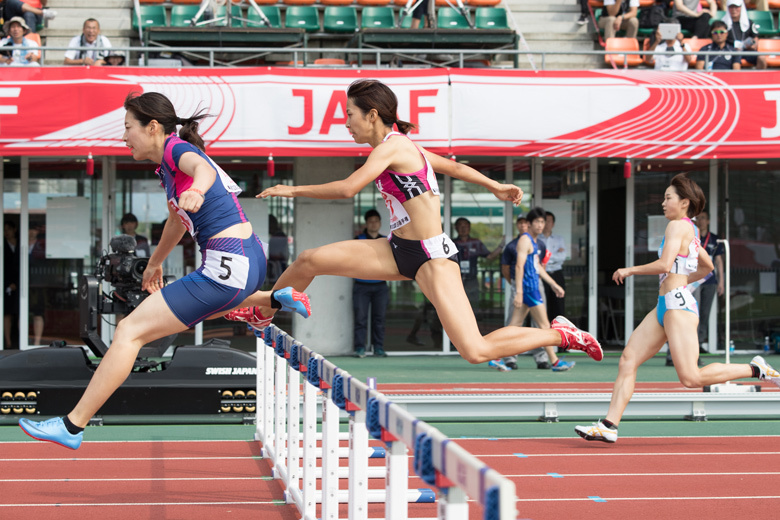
<point x="507" y="192"/>
<point x="378" y="160"/>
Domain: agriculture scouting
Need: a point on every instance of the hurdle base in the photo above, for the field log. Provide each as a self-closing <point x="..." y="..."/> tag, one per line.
<point x="732" y="388"/>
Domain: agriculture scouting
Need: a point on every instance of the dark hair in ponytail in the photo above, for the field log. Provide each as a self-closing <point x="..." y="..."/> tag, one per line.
<point x="686" y="188"/>
<point x="155" y="106"/>
<point x="369" y="94"/>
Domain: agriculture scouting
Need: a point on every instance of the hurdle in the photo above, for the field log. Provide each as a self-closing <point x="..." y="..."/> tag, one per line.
<point x="455" y="474"/>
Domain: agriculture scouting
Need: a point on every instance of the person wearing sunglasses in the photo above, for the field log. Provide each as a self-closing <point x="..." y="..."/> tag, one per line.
<point x="730" y="60"/>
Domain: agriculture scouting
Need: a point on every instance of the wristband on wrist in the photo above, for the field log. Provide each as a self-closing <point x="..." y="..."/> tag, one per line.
<point x="196" y="191"/>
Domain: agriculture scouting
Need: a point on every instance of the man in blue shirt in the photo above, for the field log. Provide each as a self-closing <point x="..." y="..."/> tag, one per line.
<point x="373" y="293"/>
<point x="719" y="34"/>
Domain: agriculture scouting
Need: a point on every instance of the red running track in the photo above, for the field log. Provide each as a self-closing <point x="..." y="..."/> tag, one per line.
<point x="653" y="478"/>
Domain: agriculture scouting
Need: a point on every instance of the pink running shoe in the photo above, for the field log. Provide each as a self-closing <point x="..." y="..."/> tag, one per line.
<point x="573" y="338"/>
<point x="249" y="315"/>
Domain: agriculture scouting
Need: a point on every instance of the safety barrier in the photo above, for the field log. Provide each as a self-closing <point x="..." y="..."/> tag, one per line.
<point x="455" y="474"/>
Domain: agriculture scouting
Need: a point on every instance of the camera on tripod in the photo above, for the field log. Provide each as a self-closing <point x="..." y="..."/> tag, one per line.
<point x="124" y="271"/>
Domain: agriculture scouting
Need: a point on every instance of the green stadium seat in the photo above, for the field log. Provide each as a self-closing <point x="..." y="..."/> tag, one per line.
<point x="235" y="13"/>
<point x="765" y="22"/>
<point x="377" y="18"/>
<point x="302" y="17"/>
<point x="182" y="14"/>
<point x="491" y="18"/>
<point x="340" y="19"/>
<point x="406" y="23"/>
<point x="270" y="11"/>
<point x="450" y="18"/>
<point x="151" y="16"/>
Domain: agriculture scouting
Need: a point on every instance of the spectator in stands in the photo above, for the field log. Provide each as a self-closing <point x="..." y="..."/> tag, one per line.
<point x="12" y="8"/>
<point x="620" y="15"/>
<point x="90" y="37"/>
<point x="584" y="12"/>
<point x="115" y="58"/>
<point x="692" y="18"/>
<point x="33" y="19"/>
<point x="672" y="59"/>
<point x="420" y="15"/>
<point x="14" y="50"/>
<point x="729" y="61"/>
<point x="743" y="35"/>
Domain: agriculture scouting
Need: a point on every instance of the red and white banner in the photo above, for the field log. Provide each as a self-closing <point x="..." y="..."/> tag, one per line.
<point x="71" y="111"/>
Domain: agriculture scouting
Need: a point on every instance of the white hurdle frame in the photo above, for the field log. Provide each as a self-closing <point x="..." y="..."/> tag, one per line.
<point x="280" y="363"/>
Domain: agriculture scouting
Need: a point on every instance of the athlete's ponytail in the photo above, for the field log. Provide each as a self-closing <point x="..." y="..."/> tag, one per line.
<point x="368" y="94"/>
<point x="155" y="106"/>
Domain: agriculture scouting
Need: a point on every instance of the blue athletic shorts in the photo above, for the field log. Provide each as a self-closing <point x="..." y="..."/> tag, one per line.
<point x="679" y="299"/>
<point x="232" y="270"/>
<point x="532" y="297"/>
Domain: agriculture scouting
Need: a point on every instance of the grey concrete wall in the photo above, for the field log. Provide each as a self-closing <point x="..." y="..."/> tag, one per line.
<point x="320" y="222"/>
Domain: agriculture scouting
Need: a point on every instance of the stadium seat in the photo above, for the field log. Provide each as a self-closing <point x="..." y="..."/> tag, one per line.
<point x="483" y="3"/>
<point x="270" y="11"/>
<point x="142" y="2"/>
<point x="490" y="18"/>
<point x="374" y="17"/>
<point x="329" y="61"/>
<point x="302" y="17"/>
<point x="406" y="23"/>
<point x="596" y="3"/>
<point x="151" y="16"/>
<point x="181" y="15"/>
<point x="185" y="2"/>
<point x="298" y="2"/>
<point x="337" y="2"/>
<point x="765" y="22"/>
<point x="623" y="44"/>
<point x="450" y="18"/>
<point x="340" y="19"/>
<point x="235" y="13"/>
<point x="695" y="44"/>
<point x="770" y="45"/>
<point x="373" y="2"/>
<point x="36" y="38"/>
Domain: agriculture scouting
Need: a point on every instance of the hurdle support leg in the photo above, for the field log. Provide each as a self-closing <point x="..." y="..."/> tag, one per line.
<point x="279" y="413"/>
<point x="330" y="459"/>
<point x="396" y="481"/>
<point x="358" y="466"/>
<point x="452" y="504"/>
<point x="309" y="445"/>
<point x="293" y="429"/>
<point x="268" y="399"/>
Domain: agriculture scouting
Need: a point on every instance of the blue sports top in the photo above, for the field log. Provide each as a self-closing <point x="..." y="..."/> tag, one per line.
<point x="684" y="264"/>
<point x="530" y="276"/>
<point x="220" y="208"/>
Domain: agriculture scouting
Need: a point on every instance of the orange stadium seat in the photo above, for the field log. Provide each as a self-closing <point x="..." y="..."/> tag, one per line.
<point x="336" y="2"/>
<point x="646" y="3"/>
<point x="596" y="3"/>
<point x="142" y="2"/>
<point x="483" y="3"/>
<point x="769" y="45"/>
<point x="402" y="3"/>
<point x="185" y="1"/>
<point x="262" y="2"/>
<point x="623" y="44"/>
<point x="37" y="39"/>
<point x="774" y="4"/>
<point x="329" y="61"/>
<point x="373" y="2"/>
<point x="298" y="2"/>
<point x="695" y="44"/>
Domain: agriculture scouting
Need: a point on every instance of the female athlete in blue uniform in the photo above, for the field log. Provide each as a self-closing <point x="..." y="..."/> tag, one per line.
<point x="202" y="199"/>
<point x="417" y="248"/>
<point x="675" y="319"/>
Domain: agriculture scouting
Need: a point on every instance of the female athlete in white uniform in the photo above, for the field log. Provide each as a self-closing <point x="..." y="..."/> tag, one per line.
<point x="675" y="319"/>
<point x="417" y="248"/>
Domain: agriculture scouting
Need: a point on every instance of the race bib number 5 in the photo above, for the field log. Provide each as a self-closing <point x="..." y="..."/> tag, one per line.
<point x="226" y="268"/>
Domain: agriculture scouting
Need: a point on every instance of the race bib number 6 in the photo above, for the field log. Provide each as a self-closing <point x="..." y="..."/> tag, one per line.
<point x="226" y="268"/>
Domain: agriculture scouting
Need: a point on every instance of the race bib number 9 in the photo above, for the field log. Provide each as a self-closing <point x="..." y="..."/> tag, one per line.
<point x="226" y="268"/>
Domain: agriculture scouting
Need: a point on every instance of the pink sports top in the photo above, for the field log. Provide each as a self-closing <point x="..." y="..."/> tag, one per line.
<point x="396" y="188"/>
<point x="684" y="264"/>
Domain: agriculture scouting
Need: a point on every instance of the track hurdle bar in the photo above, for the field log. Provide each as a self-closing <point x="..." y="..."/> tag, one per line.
<point x="280" y="360"/>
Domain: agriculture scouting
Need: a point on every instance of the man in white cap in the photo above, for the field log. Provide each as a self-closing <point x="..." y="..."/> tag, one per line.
<point x="743" y="35"/>
<point x="13" y="48"/>
<point x="12" y="8"/>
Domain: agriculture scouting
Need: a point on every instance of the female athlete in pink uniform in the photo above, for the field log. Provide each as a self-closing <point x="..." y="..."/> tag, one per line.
<point x="417" y="249"/>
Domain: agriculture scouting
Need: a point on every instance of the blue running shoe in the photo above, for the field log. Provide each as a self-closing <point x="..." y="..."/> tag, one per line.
<point x="52" y="430"/>
<point x="563" y="366"/>
<point x="294" y="301"/>
<point x="499" y="365"/>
